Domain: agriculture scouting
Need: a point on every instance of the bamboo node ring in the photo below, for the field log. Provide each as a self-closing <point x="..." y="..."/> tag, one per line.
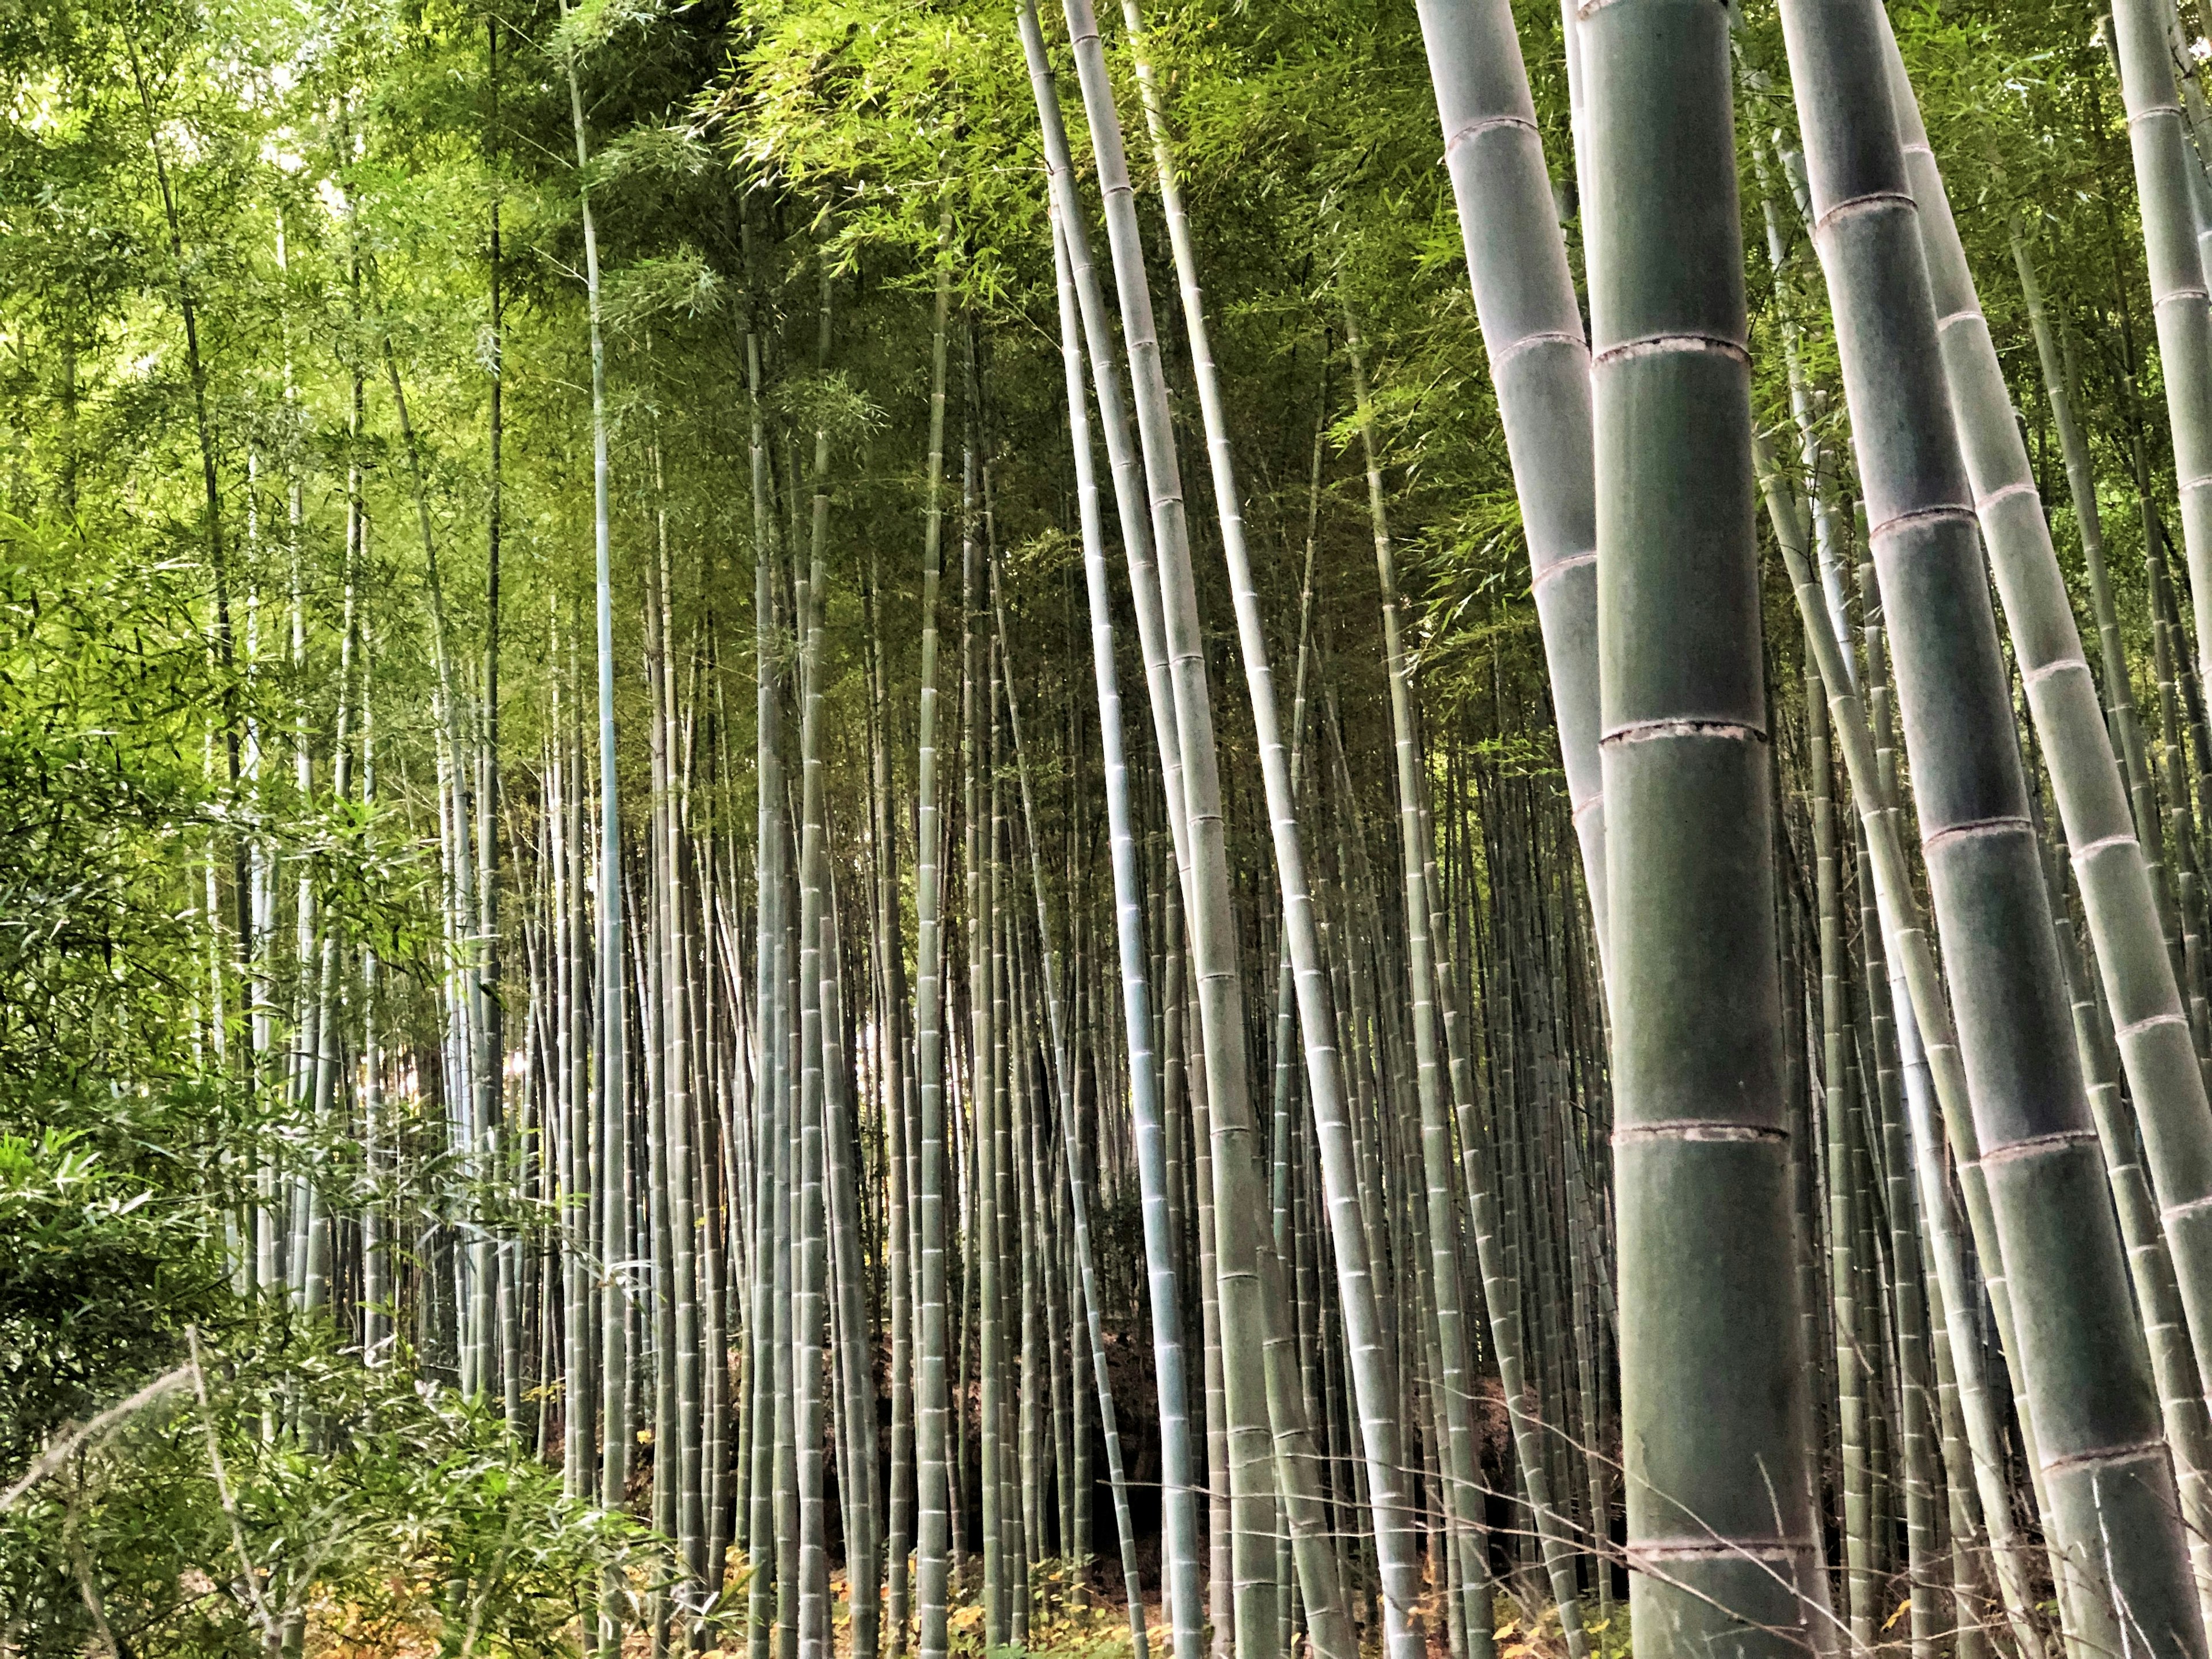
<point x="2089" y="850"/>
<point x="2134" y="1027"/>
<point x="1681" y="1549"/>
<point x="1996" y="826"/>
<point x="1531" y="342"/>
<point x="1936" y="515"/>
<point x="2106" y="1454"/>
<point x="2034" y="1145"/>
<point x="2003" y="492"/>
<point x="1484" y="123"/>
<point x="1653" y="345"/>
<point x="1867" y="203"/>
<point x="1646" y="731"/>
<point x="1561" y="567"/>
<point x="1699" y="1129"/>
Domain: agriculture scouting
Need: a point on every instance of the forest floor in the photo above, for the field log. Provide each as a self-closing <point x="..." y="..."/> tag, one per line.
<point x="1093" y="1626"/>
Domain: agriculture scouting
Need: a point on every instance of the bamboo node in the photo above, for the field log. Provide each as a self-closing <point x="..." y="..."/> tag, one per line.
<point x="2034" y="1145"/>
<point x="1936" y="515"/>
<point x="1512" y="348"/>
<point x="1647" y="731"/>
<point x="1868" y="203"/>
<point x="1699" y="1129"/>
<point x="1484" y="123"/>
<point x="1706" y="1549"/>
<point x="1999" y="826"/>
<point x="2059" y="666"/>
<point x="2083" y="853"/>
<point x="1653" y="345"/>
<point x="2123" y="1454"/>
<point x="1561" y="566"/>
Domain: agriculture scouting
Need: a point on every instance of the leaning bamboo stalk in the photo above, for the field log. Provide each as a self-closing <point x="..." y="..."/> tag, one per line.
<point x="2167" y="176"/>
<point x="2150" y="1268"/>
<point x="1315" y="1016"/>
<point x="2105" y="1469"/>
<point x="1812" y="451"/>
<point x="1531" y="330"/>
<point x="2122" y="715"/>
<point x="1931" y="1070"/>
<point x="1252" y="639"/>
<point x="2157" y="1052"/>
<point x="1945" y="1063"/>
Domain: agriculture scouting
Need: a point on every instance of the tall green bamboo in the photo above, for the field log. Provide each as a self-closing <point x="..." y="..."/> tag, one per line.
<point x="898" y="1153"/>
<point x="1722" y="1543"/>
<point x="766" y="1530"/>
<point x="1062" y="1060"/>
<point x="1837" y="1081"/>
<point x="1454" y="1350"/>
<point x="986" y="1027"/>
<point x="1179" y="1509"/>
<point x="1239" y="1204"/>
<point x="932" y="1390"/>
<point x="1897" y="1038"/>
<point x="1315" y="1015"/>
<point x="614" y="1042"/>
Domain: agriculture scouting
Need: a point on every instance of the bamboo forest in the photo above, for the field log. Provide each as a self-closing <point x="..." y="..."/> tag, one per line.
<point x="968" y="829"/>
